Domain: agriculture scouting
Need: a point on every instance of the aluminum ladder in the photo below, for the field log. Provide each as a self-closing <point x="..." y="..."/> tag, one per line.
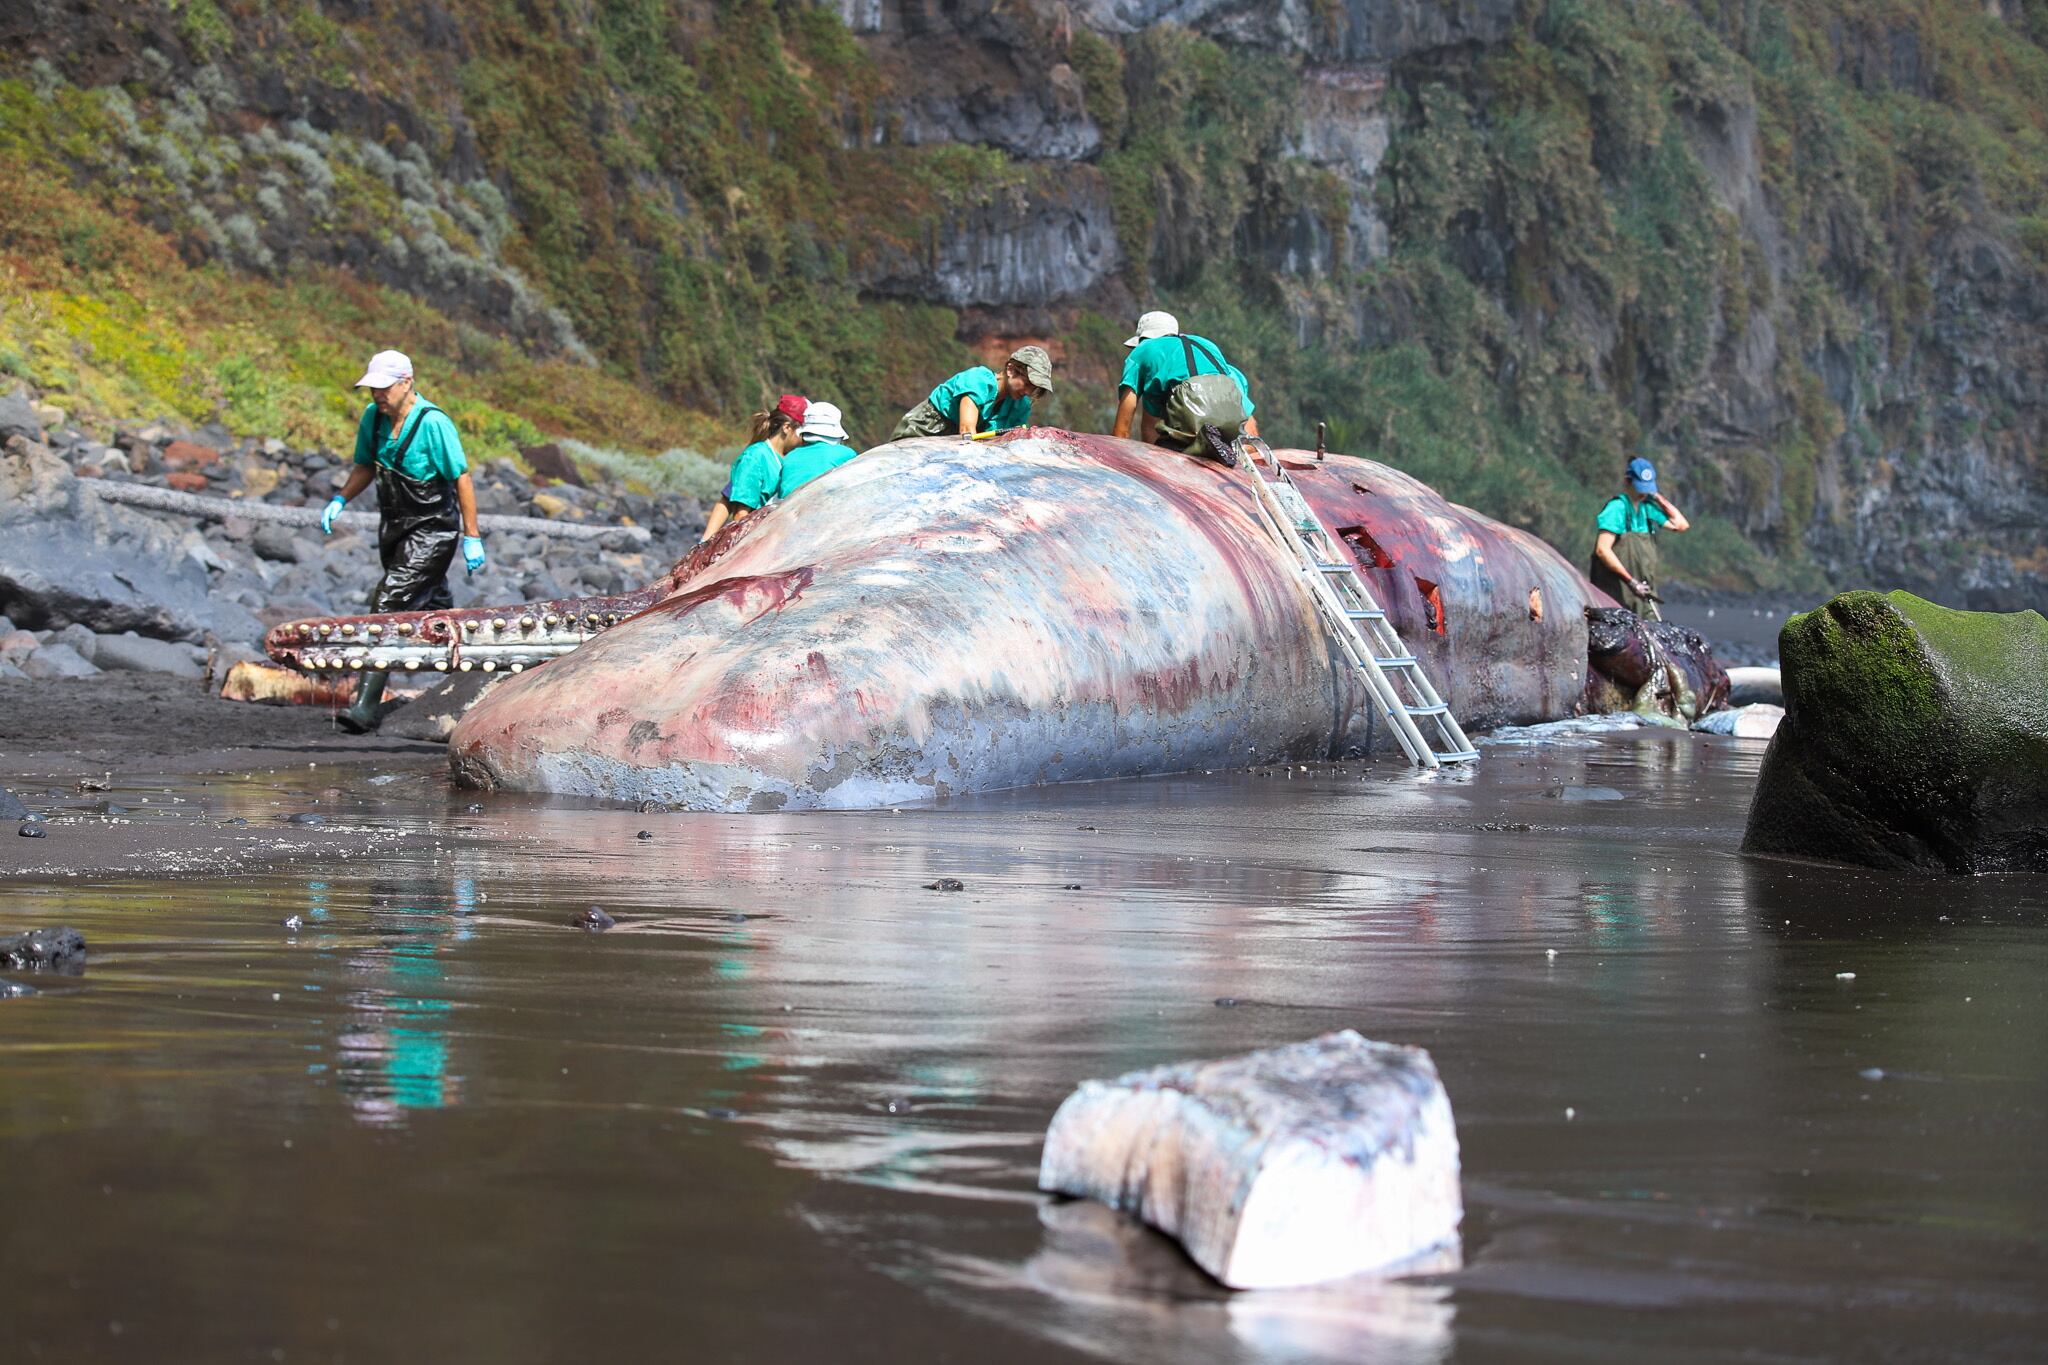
<point x="1356" y="618"/>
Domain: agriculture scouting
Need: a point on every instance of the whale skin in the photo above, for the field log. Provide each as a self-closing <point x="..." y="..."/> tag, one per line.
<point x="946" y="616"/>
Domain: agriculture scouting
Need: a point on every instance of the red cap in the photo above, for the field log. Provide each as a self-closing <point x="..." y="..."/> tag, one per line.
<point x="793" y="405"/>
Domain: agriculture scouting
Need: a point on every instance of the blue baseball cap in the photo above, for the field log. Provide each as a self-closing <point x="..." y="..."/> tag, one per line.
<point x="1642" y="475"/>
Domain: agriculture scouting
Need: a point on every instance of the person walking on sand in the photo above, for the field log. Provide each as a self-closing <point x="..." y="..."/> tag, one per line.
<point x="979" y="400"/>
<point x="1625" y="551"/>
<point x="1194" y="400"/>
<point x="757" y="472"/>
<point x="426" y="507"/>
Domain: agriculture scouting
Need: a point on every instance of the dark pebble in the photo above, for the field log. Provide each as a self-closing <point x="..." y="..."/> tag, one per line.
<point x="474" y="808"/>
<point x="1071" y="886"/>
<point x="946" y="884"/>
<point x="653" y="808"/>
<point x="645" y="834"/>
<point x="305" y="817"/>
<point x="1086" y="829"/>
<point x="594" y="919"/>
<point x="721" y="1113"/>
<point x="11" y="807"/>
<point x="1228" y="1002"/>
<point x="238" y="820"/>
<point x="31" y="831"/>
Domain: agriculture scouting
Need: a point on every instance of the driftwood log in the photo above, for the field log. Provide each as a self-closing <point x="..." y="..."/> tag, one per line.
<point x="220" y="509"/>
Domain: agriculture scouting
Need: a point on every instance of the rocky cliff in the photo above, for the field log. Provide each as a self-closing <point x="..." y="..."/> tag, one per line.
<point x="1793" y="247"/>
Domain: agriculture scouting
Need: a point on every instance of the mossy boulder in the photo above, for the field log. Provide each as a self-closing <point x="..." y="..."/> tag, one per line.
<point x="1914" y="737"/>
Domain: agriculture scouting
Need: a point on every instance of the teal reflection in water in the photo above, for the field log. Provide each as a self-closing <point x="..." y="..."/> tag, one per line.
<point x="396" y="1056"/>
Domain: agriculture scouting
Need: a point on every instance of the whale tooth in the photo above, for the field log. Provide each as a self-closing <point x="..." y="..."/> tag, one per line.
<point x="373" y="630"/>
<point x="526" y="623"/>
<point x="348" y="628"/>
<point x="468" y="664"/>
<point x="551" y="618"/>
<point x="490" y="666"/>
<point x="405" y="628"/>
<point x="497" y="623"/>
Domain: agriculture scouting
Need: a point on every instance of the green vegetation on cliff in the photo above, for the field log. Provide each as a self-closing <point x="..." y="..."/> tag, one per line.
<point x="1720" y="232"/>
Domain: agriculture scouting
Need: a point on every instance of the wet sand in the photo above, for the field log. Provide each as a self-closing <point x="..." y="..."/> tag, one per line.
<point x="790" y="1109"/>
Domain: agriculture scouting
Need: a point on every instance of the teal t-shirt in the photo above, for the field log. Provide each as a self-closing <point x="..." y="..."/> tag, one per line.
<point x="1622" y="516"/>
<point x="756" y="474"/>
<point x="1154" y="367"/>
<point x="810" y="460"/>
<point x="435" y="453"/>
<point x="980" y="384"/>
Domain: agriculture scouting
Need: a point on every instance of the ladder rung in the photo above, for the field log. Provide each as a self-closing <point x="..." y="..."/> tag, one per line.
<point x="1365" y="614"/>
<point x="1440" y="709"/>
<point x="1400" y="661"/>
<point x="1456" y="755"/>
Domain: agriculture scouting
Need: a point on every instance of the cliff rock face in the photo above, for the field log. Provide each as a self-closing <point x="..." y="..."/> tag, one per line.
<point x="1796" y="253"/>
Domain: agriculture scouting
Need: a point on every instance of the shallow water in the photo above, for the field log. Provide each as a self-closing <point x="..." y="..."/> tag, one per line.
<point x="790" y="1109"/>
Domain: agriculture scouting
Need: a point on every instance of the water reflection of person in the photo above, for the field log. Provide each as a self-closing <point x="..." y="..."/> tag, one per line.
<point x="395" y="1054"/>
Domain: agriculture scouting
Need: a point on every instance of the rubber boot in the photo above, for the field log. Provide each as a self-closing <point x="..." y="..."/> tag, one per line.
<point x="361" y="717"/>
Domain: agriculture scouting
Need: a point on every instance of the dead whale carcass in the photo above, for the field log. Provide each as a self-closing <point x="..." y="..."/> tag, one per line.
<point x="947" y="615"/>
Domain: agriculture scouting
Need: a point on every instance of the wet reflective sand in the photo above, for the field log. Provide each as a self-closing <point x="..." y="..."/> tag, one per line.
<point x="790" y="1108"/>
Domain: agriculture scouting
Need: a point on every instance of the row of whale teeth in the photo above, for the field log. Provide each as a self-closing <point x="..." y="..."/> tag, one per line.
<point x="486" y="661"/>
<point x="547" y="621"/>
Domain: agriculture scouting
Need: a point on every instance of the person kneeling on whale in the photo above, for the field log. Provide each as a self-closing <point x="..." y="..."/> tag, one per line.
<point x="824" y="447"/>
<point x="426" y="507"/>
<point x="757" y="473"/>
<point x="979" y="401"/>
<point x="1194" y="400"/>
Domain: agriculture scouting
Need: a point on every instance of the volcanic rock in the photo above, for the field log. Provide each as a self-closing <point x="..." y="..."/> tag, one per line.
<point x="1289" y="1166"/>
<point x="1914" y="737"/>
<point x="132" y="653"/>
<point x="55" y="660"/>
<point x="44" y="950"/>
<point x="18" y="416"/>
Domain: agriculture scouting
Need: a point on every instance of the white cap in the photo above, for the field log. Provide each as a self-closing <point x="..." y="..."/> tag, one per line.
<point x="385" y="369"/>
<point x="822" y="420"/>
<point x="1155" y="325"/>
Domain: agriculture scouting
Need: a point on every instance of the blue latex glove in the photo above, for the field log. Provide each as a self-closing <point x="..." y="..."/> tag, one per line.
<point x="333" y="511"/>
<point x="473" y="552"/>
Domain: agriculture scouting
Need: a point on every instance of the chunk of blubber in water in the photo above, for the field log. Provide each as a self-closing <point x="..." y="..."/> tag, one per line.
<point x="1309" y="1162"/>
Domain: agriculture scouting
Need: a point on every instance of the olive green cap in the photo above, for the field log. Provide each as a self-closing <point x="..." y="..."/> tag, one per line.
<point x="1037" y="365"/>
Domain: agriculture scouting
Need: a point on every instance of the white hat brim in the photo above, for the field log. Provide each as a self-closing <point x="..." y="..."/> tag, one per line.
<point x="374" y="380"/>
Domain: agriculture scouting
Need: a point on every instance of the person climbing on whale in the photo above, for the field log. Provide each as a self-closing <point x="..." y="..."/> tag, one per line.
<point x="1625" y="550"/>
<point x="1194" y="400"/>
<point x="823" y="447"/>
<point x="979" y="400"/>
<point x="757" y="472"/>
<point x="426" y="507"/>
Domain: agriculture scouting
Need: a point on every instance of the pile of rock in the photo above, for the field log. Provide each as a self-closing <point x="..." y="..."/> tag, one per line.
<point x="79" y="652"/>
<point x="90" y="585"/>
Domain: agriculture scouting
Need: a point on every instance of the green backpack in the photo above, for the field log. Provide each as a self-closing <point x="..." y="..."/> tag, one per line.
<point x="1200" y="400"/>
